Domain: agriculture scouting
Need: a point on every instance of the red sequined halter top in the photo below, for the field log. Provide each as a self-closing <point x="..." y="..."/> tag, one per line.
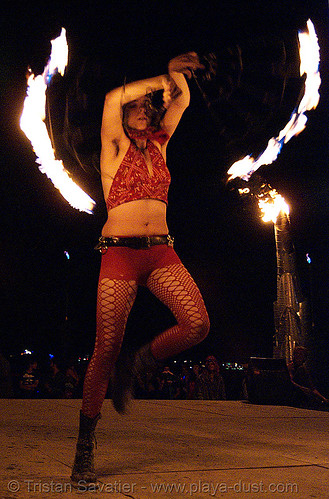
<point x="133" y="180"/>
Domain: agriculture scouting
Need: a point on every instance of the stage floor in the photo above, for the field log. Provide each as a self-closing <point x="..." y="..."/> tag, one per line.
<point x="175" y="449"/>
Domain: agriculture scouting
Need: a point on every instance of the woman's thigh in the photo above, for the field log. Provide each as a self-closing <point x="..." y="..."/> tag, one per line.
<point x="176" y="288"/>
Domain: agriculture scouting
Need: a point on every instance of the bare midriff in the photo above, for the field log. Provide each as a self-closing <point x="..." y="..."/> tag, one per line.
<point x="142" y="217"/>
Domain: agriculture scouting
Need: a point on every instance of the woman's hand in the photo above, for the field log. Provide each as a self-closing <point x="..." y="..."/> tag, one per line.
<point x="176" y="93"/>
<point x="170" y="90"/>
<point x="185" y="63"/>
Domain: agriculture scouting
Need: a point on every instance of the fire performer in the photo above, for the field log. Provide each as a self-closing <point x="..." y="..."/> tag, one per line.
<point x="136" y="246"/>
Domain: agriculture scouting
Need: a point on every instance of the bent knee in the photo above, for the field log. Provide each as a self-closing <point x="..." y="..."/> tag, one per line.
<point x="200" y="329"/>
<point x="204" y="328"/>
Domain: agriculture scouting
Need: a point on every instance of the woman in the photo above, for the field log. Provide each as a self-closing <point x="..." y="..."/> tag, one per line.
<point x="135" y="244"/>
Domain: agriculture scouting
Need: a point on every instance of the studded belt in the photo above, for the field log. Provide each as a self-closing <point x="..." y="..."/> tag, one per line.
<point x="135" y="242"/>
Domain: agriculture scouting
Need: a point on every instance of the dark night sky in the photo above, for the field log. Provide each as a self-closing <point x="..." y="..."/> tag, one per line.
<point x="220" y="237"/>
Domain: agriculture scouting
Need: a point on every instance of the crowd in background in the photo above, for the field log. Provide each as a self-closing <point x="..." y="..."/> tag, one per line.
<point x="25" y="376"/>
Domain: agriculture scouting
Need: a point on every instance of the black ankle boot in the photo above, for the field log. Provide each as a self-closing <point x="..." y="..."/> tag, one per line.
<point x="127" y="369"/>
<point x="83" y="468"/>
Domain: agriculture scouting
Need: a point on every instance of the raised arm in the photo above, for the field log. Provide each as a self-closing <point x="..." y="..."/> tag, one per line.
<point x="176" y="99"/>
<point x="112" y="128"/>
<point x="176" y="90"/>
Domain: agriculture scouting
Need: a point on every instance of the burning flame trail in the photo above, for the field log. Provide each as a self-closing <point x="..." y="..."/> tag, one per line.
<point x="309" y="65"/>
<point x="33" y="125"/>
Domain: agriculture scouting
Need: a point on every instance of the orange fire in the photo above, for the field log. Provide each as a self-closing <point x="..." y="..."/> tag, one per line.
<point x="32" y="123"/>
<point x="271" y="204"/>
<point x="309" y="65"/>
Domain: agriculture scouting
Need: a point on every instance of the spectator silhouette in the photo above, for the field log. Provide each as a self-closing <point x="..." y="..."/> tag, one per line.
<point x="55" y="383"/>
<point x="305" y="394"/>
<point x="169" y="387"/>
<point x="72" y="380"/>
<point x="191" y="383"/>
<point x="184" y="376"/>
<point x="29" y="381"/>
<point x="210" y="383"/>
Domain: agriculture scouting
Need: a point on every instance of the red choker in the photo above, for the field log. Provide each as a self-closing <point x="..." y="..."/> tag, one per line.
<point x="149" y="133"/>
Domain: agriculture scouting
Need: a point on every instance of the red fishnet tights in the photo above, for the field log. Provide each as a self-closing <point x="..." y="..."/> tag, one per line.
<point x="174" y="286"/>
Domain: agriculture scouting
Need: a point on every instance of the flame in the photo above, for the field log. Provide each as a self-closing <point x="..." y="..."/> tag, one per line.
<point x="59" y="54"/>
<point x="33" y="125"/>
<point x="309" y="65"/>
<point x="271" y="204"/>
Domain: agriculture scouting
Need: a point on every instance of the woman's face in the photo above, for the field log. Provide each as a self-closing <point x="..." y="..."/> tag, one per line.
<point x="138" y="113"/>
